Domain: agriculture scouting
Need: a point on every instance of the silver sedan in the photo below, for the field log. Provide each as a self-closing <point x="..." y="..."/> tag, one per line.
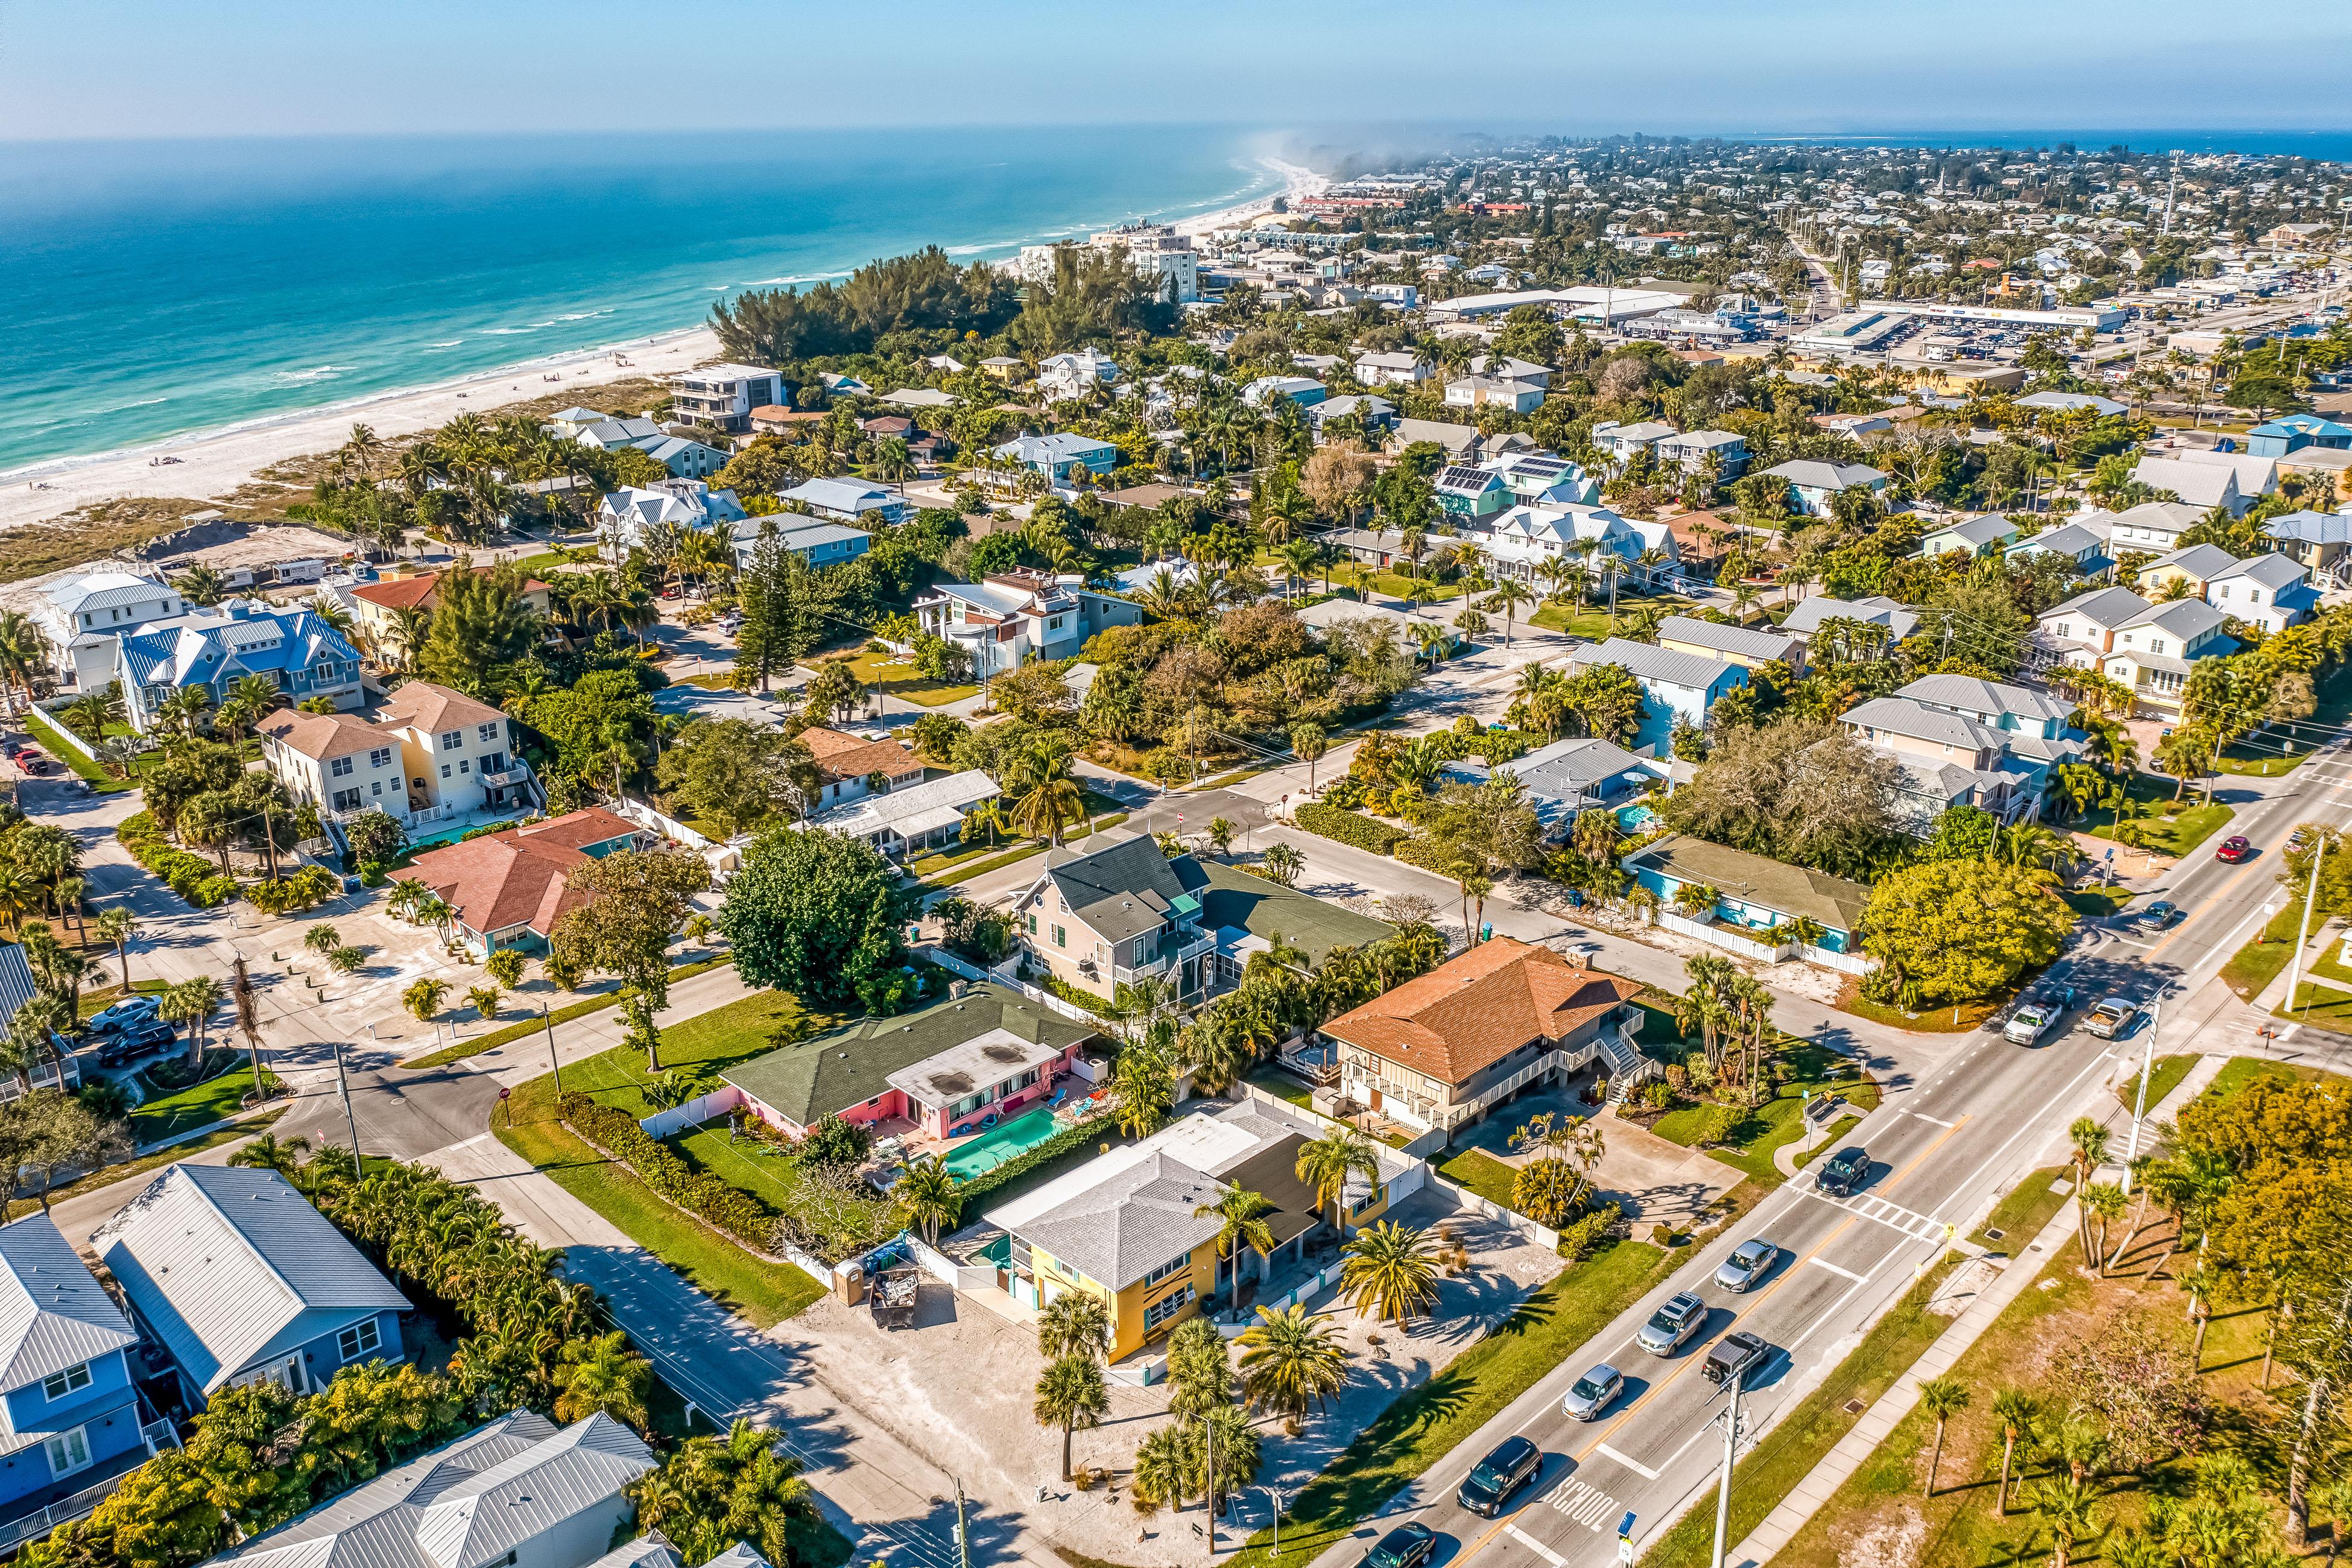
<point x="1749" y="1261"/>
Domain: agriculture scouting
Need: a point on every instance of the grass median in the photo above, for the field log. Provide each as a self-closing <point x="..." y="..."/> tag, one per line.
<point x="2023" y="1210"/>
<point x="1803" y="1436"/>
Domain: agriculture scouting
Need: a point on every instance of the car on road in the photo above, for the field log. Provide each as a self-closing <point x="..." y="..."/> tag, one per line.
<point x="1748" y="1262"/>
<point x="1591" y="1395"/>
<point x="124" y="1014"/>
<point x="1734" y="1355"/>
<point x="1409" y="1545"/>
<point x="2113" y="1018"/>
<point x="2160" y="916"/>
<point x="2035" y="1016"/>
<point x="1673" y="1325"/>
<point x="1493" y="1480"/>
<point x="2234" y="848"/>
<point x="1843" y="1171"/>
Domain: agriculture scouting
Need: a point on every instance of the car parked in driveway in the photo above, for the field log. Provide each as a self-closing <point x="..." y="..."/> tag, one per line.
<point x="1673" y="1325"/>
<point x="1493" y="1480"/>
<point x="1409" y="1545"/>
<point x="1591" y="1395"/>
<point x="1749" y="1261"/>
<point x="2234" y="848"/>
<point x="2113" y="1018"/>
<point x="126" y="1013"/>
<point x="1843" y="1172"/>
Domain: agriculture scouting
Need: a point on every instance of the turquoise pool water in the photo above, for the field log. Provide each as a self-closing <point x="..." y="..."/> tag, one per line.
<point x="990" y="1149"/>
<point x="1635" y="818"/>
<point x="452" y="834"/>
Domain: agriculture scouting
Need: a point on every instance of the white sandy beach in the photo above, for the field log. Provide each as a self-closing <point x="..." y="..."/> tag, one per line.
<point x="213" y="464"/>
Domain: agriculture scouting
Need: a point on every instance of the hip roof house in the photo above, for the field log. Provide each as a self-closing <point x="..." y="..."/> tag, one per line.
<point x="236" y="1275"/>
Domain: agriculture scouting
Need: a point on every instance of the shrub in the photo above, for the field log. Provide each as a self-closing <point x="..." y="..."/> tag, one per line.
<point x="485" y="830"/>
<point x="305" y="888"/>
<point x="375" y="835"/>
<point x="1545" y="1191"/>
<point x="1348" y="827"/>
<point x="991" y="1183"/>
<point x="192" y="876"/>
<point x="1717" y="1122"/>
<point x="505" y="966"/>
<point x="1426" y="853"/>
<point x="728" y="1209"/>
<point x="1657" y="1094"/>
<point x="1662" y="1234"/>
<point x="833" y="1141"/>
<point x="370" y="873"/>
<point x="1583" y="1239"/>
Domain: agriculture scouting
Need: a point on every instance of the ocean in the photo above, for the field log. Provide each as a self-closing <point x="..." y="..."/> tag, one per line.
<point x="156" y="288"/>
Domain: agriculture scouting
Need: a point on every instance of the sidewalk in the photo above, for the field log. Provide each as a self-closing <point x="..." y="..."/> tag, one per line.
<point x="1868" y="1433"/>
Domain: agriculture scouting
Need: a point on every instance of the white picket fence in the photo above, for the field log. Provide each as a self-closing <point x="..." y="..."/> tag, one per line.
<point x="693" y="1113"/>
<point x="1764" y="953"/>
<point x="1001" y="976"/>
<point x="1541" y="1234"/>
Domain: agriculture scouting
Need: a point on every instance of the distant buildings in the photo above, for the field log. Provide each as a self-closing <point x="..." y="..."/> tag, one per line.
<point x="723" y="395"/>
<point x="1813" y="483"/>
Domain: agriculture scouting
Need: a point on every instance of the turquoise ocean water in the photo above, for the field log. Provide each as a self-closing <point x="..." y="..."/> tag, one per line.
<point x="149" y="289"/>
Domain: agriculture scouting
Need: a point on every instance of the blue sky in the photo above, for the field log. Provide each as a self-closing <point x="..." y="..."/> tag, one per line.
<point x="79" y="68"/>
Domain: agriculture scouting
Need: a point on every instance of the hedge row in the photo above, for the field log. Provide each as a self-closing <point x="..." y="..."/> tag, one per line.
<point x="991" y="1183"/>
<point x="1425" y="853"/>
<point x="192" y="876"/>
<point x="1348" y="827"/>
<point x="729" y="1209"/>
<point x="305" y="888"/>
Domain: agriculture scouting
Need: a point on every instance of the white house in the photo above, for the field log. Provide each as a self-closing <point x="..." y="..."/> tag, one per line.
<point x="1061" y="378"/>
<point x="1479" y="391"/>
<point x="723" y="395"/>
<point x="1009" y="617"/>
<point x="2155" y="527"/>
<point x="1524" y="538"/>
<point x="2266" y="591"/>
<point x="2083" y="629"/>
<point x="84" y="615"/>
<point x="1623" y="441"/>
<point x="1692" y="450"/>
<point x="1403" y="368"/>
<point x="626" y="516"/>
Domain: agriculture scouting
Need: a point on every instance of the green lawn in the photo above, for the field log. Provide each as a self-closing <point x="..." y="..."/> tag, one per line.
<point x="758" y="1168"/>
<point x="216" y="1100"/>
<point x="2262" y="960"/>
<point x="1280" y="1085"/>
<point x="2280" y="752"/>
<point x="716" y="1039"/>
<point x="1482" y="1174"/>
<point x="1393" y="583"/>
<point x="97" y="999"/>
<point x="1591" y="621"/>
<point x="2095" y="902"/>
<point x="1421" y="1428"/>
<point x="2240" y="1072"/>
<point x="2022" y="1210"/>
<point x="2181" y="827"/>
<point x="886" y="674"/>
<point x="2315" y="1003"/>
<point x="1777" y="1121"/>
<point x="509" y="1033"/>
<point x="48" y="741"/>
<point x="1956" y="1020"/>
<point x="1803" y="1436"/>
<point x="2162" y="1079"/>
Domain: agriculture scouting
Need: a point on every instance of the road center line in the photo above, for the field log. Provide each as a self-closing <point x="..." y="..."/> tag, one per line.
<point x="1647" y="1474"/>
<point x="1840" y="1273"/>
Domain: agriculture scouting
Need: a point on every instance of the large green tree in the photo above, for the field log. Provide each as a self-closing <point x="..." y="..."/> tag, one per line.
<point x="1953" y="931"/>
<point x="818" y="914"/>
<point x="481" y="624"/>
<point x="636" y="899"/>
<point x="735" y="774"/>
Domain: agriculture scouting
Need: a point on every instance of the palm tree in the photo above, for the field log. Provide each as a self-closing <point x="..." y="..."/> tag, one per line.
<point x="1327" y="1163"/>
<point x="602" y="1375"/>
<point x="1162" y="1476"/>
<point x="483" y="1000"/>
<point x="267" y="1153"/>
<point x="1074" y="1323"/>
<point x="1310" y="742"/>
<point x="2069" y="1512"/>
<point x="423" y="998"/>
<point x="2105" y="1203"/>
<point x="2016" y="1411"/>
<point x="1509" y="593"/>
<point x="116" y="926"/>
<point x="927" y="1191"/>
<point x="1292" y="1363"/>
<point x="1221" y="835"/>
<point x="2090" y="1140"/>
<point x="1282" y="862"/>
<point x="1070" y="1395"/>
<point x="192" y="1002"/>
<point x="1240" y="1217"/>
<point x="1942" y="1398"/>
<point x="1391" y="1272"/>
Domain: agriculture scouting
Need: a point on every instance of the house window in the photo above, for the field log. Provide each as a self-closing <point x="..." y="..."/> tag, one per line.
<point x="465" y="765"/>
<point x="1061" y="937"/>
<point x="418" y="782"/>
<point x="375" y="787"/>
<point x="358" y="1340"/>
<point x="69" y="1452"/>
<point x="452" y="739"/>
<point x="340" y="767"/>
<point x="73" y="1380"/>
<point x="1174" y="1267"/>
<point x="445" y="771"/>
<point x="347" y="800"/>
<point x="381" y="757"/>
<point x="1033" y="925"/>
<point x="1370" y="1198"/>
<point x="1167" y="1307"/>
<point x="486" y="732"/>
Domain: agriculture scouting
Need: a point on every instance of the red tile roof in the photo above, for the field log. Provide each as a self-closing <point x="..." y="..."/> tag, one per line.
<point x="435" y="708"/>
<point x="519" y="876"/>
<point x="416" y="592"/>
<point x="840" y="756"/>
<point x="1472" y="1011"/>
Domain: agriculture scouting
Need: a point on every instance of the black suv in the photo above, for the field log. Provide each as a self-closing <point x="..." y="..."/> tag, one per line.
<point x="1734" y="1355"/>
<point x="1409" y="1545"/>
<point x="1843" y="1171"/>
<point x="1512" y="1465"/>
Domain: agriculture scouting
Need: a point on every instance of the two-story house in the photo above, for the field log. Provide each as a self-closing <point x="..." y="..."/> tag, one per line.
<point x="2153" y="650"/>
<point x="1544" y="478"/>
<point x="2083" y="544"/>
<point x="238" y="1279"/>
<point x="1692" y="452"/>
<point x="1623" y="442"/>
<point x="1401" y="368"/>
<point x="1814" y="484"/>
<point x="2267" y="591"/>
<point x="2194" y="565"/>
<point x="338" y="761"/>
<point x="1442" y="1050"/>
<point x="1493" y="392"/>
<point x="1007" y="618"/>
<point x="723" y="395"/>
<point x="458" y="753"/>
<point x="1468" y="495"/>
<point x="82" y="618"/>
<point x="1101" y="918"/>
<point x="1966" y="742"/>
<point x="1519" y="542"/>
<point x="1969" y="535"/>
<point x="2083" y="629"/>
<point x="818" y="543"/>
<point x="297" y="651"/>
<point x="2293" y="433"/>
<point x="1676" y="687"/>
<point x="74" y="1417"/>
<point x="1876" y="610"/>
<point x="848" y="768"/>
<point x="1748" y="645"/>
<point x="2152" y="528"/>
<point x="1055" y="455"/>
<point x="629" y="516"/>
<point x="2319" y="541"/>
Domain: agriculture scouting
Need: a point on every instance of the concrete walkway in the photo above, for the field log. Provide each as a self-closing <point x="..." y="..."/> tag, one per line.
<point x="1857" y="1447"/>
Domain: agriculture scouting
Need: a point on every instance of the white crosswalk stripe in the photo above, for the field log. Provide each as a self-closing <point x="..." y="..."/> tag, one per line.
<point x="1895" y="1216"/>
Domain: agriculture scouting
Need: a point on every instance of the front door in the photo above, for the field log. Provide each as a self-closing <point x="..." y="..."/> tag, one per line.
<point x="1376" y="1099"/>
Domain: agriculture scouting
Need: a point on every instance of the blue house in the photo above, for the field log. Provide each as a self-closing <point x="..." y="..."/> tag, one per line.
<point x="74" y="1416"/>
<point x="2294" y="431"/>
<point x="1676" y="687"/>
<point x="1752" y="894"/>
<point x="298" y="652"/>
<point x="1054" y="456"/>
<point x="235" y="1275"/>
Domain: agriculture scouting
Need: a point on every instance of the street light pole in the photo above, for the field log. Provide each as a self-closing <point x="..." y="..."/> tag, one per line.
<point x="2139" y="1106"/>
<point x="343" y="1088"/>
<point x="2310" y="896"/>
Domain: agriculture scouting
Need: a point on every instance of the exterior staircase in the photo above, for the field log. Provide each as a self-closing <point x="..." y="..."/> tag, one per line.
<point x="1628" y="1068"/>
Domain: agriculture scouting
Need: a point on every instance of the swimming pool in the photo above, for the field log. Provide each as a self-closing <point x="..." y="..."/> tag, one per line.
<point x="1635" y="818"/>
<point x="456" y="831"/>
<point x="990" y="1149"/>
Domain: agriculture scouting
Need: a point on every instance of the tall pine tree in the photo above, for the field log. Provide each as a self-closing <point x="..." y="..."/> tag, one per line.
<point x="772" y="591"/>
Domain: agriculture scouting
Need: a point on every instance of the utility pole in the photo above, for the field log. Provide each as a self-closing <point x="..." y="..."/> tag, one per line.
<point x="962" y="1535"/>
<point x="555" y="1066"/>
<point x="1729" y="1419"/>
<point x="2139" y="1106"/>
<point x="1209" y="1481"/>
<point x="2310" y="896"/>
<point x="343" y="1088"/>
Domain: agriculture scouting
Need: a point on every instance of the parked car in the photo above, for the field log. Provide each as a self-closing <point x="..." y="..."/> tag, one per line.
<point x="1734" y="1355"/>
<point x="2034" y="1018"/>
<point x="1842" y="1173"/>
<point x="124" y="1014"/>
<point x="1671" y="1326"/>
<point x="1591" y="1395"/>
<point x="1409" y="1545"/>
<point x="1748" y="1262"/>
<point x="2113" y="1018"/>
<point x="2234" y="848"/>
<point x="1493" y="1480"/>
<point x="2160" y="916"/>
<point x="156" y="1035"/>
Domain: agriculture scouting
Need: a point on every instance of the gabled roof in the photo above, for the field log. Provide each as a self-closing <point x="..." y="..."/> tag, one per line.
<point x="1810" y="474"/>
<point x="2108" y="607"/>
<point x="2198" y="561"/>
<point x="1901" y="716"/>
<point x="1121" y="892"/>
<point x="2199" y="485"/>
<point x="225" y="1265"/>
<point x="840" y="756"/>
<point x="216" y="649"/>
<point x="470" y="1504"/>
<point x="1978" y="531"/>
<point x="434" y="709"/>
<point x="1754" y="879"/>
<point x="1233" y="900"/>
<point x="1662" y="665"/>
<point x="1966" y="694"/>
<point x="53" y="1313"/>
<point x="2073" y="539"/>
<point x="849" y="1066"/>
<point x="1745" y="641"/>
<point x="839" y="495"/>
<point x="2311" y="528"/>
<point x="104" y="590"/>
<point x="321" y="736"/>
<point x="2273" y="572"/>
<point x="1475" y="1009"/>
<point x="2184" y="618"/>
<point x="910" y="808"/>
<point x="1876" y="610"/>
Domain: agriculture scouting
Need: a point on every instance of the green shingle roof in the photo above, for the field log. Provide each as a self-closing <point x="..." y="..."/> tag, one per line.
<point x="1231" y="897"/>
<point x="851" y="1065"/>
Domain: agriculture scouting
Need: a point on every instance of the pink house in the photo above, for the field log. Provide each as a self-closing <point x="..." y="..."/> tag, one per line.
<point x="968" y="1062"/>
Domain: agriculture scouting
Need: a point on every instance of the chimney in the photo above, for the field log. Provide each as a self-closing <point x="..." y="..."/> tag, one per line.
<point x="1577" y="959"/>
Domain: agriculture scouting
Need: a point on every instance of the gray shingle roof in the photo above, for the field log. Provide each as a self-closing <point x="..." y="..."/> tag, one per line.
<point x="1121" y="892"/>
<point x="1966" y="694"/>
<point x="1901" y="716"/>
<point x="2200" y="560"/>
<point x="2109" y="606"/>
<point x="1124" y="1226"/>
<point x="53" y="1313"/>
<point x="1745" y="641"/>
<point x="225" y="1265"/>
<point x="466" y="1505"/>
<point x="1662" y="665"/>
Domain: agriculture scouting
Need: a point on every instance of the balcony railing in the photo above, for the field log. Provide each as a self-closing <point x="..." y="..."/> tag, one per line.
<point x="65" y="1510"/>
<point x="518" y="774"/>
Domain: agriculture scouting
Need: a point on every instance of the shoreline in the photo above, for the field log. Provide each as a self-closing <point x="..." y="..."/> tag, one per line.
<point x="211" y="463"/>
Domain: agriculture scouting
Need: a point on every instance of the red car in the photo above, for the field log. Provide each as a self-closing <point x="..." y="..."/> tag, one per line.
<point x="2233" y="849"/>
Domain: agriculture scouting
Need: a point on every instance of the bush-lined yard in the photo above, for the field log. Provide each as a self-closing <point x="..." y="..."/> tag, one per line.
<point x="1749" y="1147"/>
